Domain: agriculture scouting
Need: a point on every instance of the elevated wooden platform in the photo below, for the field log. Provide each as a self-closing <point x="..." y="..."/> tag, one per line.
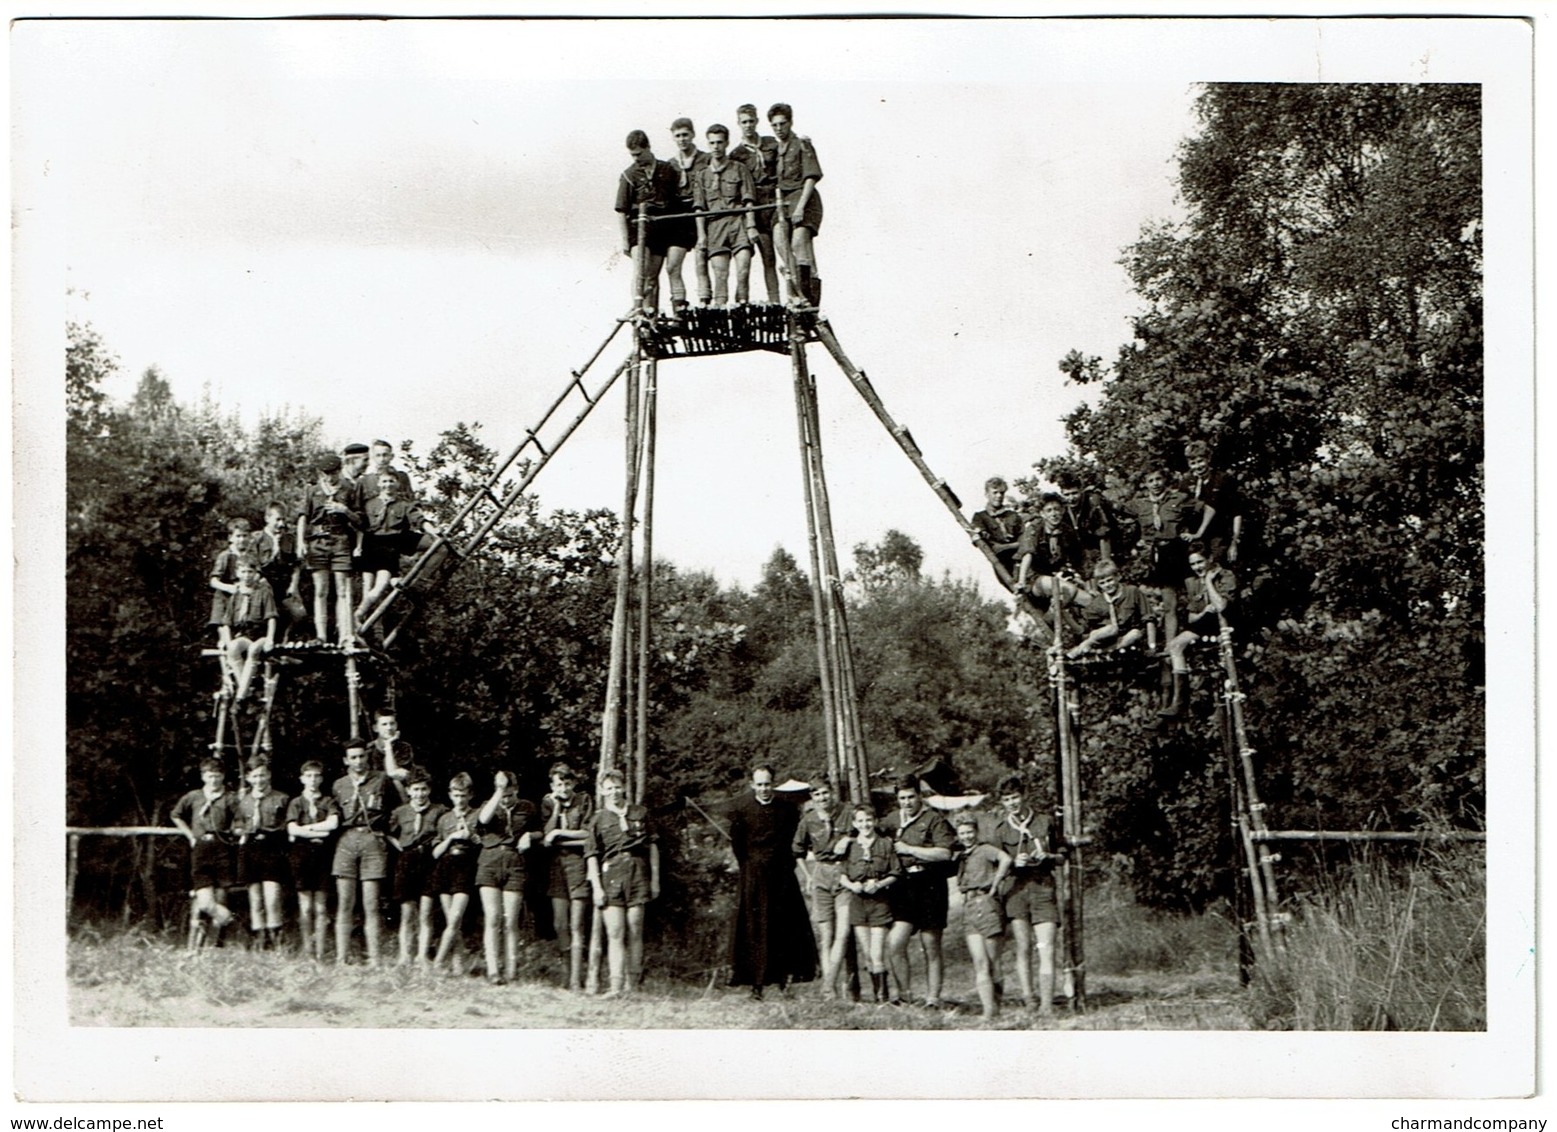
<point x="702" y="331"/>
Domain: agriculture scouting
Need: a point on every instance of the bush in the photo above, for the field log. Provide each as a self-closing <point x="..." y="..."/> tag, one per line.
<point x="1385" y="947"/>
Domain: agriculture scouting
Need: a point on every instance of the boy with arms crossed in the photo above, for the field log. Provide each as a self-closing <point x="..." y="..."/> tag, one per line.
<point x="312" y="818"/>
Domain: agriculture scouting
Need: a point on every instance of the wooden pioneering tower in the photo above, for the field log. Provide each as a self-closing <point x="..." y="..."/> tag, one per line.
<point x="787" y="328"/>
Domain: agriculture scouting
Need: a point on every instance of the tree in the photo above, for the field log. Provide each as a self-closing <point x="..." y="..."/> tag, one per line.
<point x="1317" y="317"/>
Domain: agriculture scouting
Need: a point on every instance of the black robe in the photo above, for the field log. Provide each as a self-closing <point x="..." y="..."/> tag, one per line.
<point x="772" y="940"/>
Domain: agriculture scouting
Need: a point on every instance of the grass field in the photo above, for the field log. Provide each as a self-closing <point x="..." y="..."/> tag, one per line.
<point x="1150" y="972"/>
<point x="132" y="980"/>
<point x="1375" y="948"/>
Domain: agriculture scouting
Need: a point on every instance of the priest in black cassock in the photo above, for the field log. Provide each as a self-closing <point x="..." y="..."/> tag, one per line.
<point x="772" y="944"/>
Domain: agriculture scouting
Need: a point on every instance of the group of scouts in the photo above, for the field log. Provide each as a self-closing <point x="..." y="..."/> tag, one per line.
<point x="355" y="520"/>
<point x="1174" y="538"/>
<point x="378" y="828"/>
<point x="884" y="881"/>
<point x="722" y="203"/>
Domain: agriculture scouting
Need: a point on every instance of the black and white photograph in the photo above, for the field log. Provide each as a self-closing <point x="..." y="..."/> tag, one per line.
<point x="1001" y="548"/>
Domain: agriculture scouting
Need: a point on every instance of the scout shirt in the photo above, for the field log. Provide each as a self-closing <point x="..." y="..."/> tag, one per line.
<point x="207" y="815"/>
<point x="610" y="834"/>
<point x="262" y="815"/>
<point x="366" y="804"/>
<point x="925" y="830"/>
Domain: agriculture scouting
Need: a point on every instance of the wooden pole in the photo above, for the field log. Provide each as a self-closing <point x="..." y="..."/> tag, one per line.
<point x="825" y="662"/>
<point x="72" y="859"/>
<point x="1255" y="809"/>
<point x="646" y="583"/>
<point x="852" y="752"/>
<point x="353" y="694"/>
<point x="1069" y="763"/>
<point x="610" y="722"/>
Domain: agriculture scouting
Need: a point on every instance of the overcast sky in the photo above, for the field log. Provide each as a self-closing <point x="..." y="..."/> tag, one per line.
<point x="399" y="225"/>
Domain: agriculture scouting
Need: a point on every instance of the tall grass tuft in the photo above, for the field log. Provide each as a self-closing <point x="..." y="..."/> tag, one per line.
<point x="1384" y="947"/>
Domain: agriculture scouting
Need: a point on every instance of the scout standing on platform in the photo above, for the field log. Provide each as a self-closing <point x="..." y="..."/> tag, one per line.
<point x="327" y="525"/>
<point x="312" y="818"/>
<point x="687" y="161"/>
<point x="262" y="855"/>
<point x="205" y="816"/>
<point x="652" y="183"/>
<point x="1221" y="524"/>
<point x="800" y="205"/>
<point x="1089" y="515"/>
<point x="275" y="549"/>
<point x="1162" y="514"/>
<point x="981" y="868"/>
<point x="224" y="583"/>
<point x="724" y="184"/>
<point x="759" y="153"/>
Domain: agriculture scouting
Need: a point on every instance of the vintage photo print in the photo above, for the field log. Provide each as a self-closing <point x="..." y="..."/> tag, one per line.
<point x="957" y="557"/>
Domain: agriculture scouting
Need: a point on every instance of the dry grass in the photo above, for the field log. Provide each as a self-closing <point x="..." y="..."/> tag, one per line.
<point x="133" y="979"/>
<point x="1385" y="948"/>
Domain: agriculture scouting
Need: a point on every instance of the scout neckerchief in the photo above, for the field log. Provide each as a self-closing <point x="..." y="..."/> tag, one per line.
<point x="1108" y="600"/>
<point x="421" y="816"/>
<point x="902" y="826"/>
<point x="210" y="800"/>
<point x="1157" y="501"/>
<point x="362" y="805"/>
<point x="621" y="814"/>
<point x="865" y="851"/>
<point x="313" y="808"/>
<point x="1024" y="829"/>
<point x="259" y="817"/>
